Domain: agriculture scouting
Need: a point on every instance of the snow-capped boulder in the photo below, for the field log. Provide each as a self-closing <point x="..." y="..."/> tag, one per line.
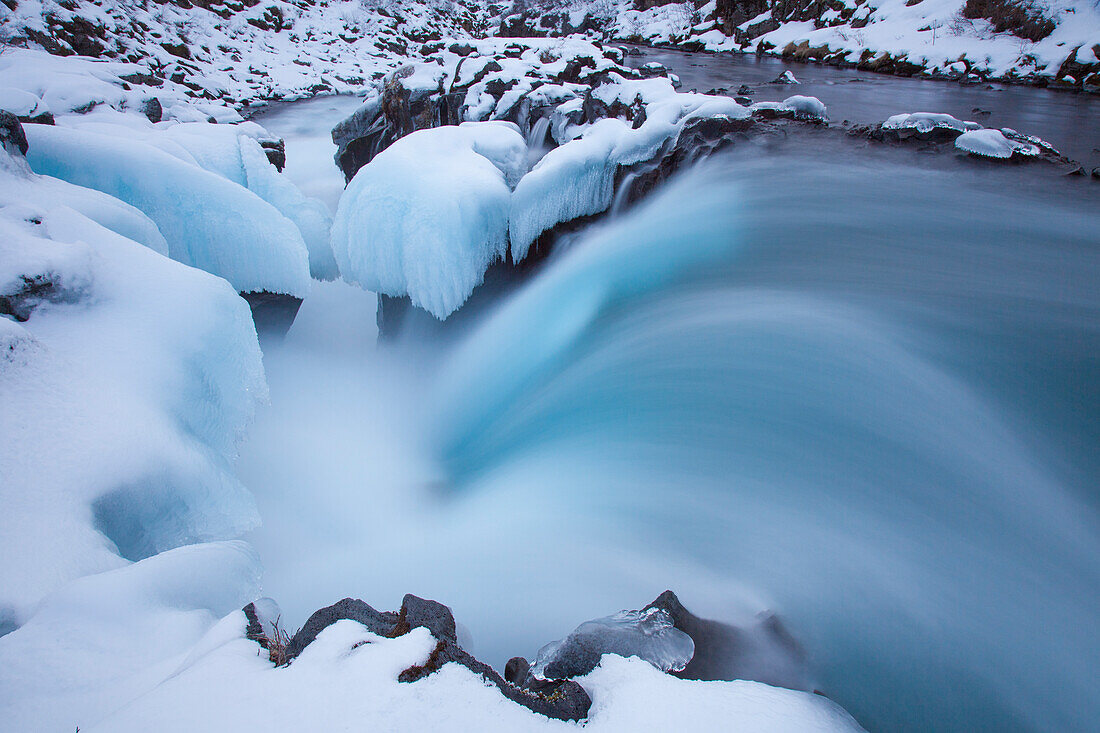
<point x="427" y="216"/>
<point x="209" y="222"/>
<point x="926" y="126"/>
<point x="798" y="107"/>
<point x="994" y="144"/>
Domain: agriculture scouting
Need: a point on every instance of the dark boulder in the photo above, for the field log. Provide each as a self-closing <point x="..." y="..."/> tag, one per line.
<point x="152" y="109"/>
<point x="273" y="313"/>
<point x="12" y="137"/>
<point x="764" y="652"/>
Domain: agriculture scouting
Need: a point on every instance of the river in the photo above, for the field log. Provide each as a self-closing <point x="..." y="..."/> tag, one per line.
<point x="856" y="384"/>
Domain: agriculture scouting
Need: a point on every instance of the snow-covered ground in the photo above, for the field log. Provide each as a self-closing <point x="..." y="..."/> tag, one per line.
<point x="931" y="35"/>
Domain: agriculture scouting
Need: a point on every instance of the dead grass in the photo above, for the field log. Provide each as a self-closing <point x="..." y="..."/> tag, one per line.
<point x="1023" y="18"/>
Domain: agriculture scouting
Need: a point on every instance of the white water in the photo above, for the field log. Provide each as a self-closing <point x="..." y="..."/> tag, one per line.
<point x="862" y="394"/>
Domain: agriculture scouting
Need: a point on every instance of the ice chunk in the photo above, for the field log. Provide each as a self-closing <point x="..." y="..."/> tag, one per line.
<point x="208" y="222"/>
<point x="787" y="77"/>
<point x="648" y="635"/>
<point x="429" y="214"/>
<point x="993" y="144"/>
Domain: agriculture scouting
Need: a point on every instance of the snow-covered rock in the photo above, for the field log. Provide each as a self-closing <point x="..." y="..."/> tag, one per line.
<point x="798" y="107"/>
<point x="993" y="144"/>
<point x="428" y="215"/>
<point x="209" y="222"/>
<point x="924" y="123"/>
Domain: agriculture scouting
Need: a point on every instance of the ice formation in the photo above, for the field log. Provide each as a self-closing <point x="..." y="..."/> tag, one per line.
<point x="428" y="215"/>
<point x="993" y="144"/>
<point x="648" y="635"/>
<point x="125" y="390"/>
<point x="209" y="222"/>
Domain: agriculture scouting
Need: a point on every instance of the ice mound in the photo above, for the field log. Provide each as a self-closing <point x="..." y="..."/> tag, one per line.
<point x="924" y="122"/>
<point x="209" y="222"/>
<point x="125" y="390"/>
<point x="648" y="635"/>
<point x="429" y="214"/>
<point x="994" y="144"/>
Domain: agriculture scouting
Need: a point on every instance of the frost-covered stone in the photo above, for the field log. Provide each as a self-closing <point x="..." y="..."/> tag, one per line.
<point x="648" y="635"/>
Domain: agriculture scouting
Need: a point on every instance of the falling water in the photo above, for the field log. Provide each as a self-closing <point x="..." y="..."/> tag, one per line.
<point x="858" y="392"/>
<point x="536" y="140"/>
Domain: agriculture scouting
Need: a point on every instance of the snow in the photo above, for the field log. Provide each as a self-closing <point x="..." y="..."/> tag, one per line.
<point x="647" y="635"/>
<point x="125" y="393"/>
<point x="993" y="144"/>
<point x="348" y="678"/>
<point x="105" y="639"/>
<point x="208" y="221"/>
<point x="428" y="215"/>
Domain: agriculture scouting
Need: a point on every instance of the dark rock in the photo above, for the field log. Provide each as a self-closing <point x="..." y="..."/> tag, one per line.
<point x="273" y="313"/>
<point x="515" y="671"/>
<point x="275" y="150"/>
<point x="462" y="49"/>
<point x="378" y="622"/>
<point x="152" y="109"/>
<point x="12" y="137"/>
<point x="432" y="615"/>
<point x="765" y="652"/>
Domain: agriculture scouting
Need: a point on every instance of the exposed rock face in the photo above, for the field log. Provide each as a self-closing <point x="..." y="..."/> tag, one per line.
<point x="566" y="701"/>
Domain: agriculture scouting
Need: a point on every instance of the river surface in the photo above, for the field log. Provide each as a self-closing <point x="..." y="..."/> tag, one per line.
<point x="856" y="384"/>
<point x="1069" y="121"/>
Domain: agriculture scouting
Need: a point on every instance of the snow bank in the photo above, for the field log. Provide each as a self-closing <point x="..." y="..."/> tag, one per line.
<point x="104" y="639"/>
<point x="429" y="214"/>
<point x="348" y="678"/>
<point x="993" y="144"/>
<point x="209" y="222"/>
<point x="125" y="392"/>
